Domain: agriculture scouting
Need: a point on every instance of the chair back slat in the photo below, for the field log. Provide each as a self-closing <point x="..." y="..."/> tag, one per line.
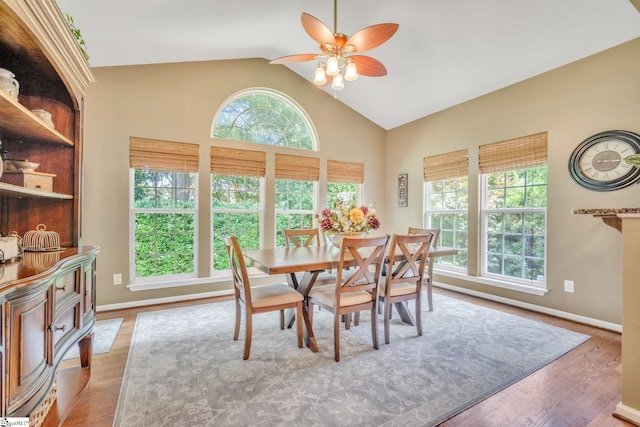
<point x="407" y="259"/>
<point x="435" y="231"/>
<point x="238" y="268"/>
<point x="366" y="257"/>
<point x="301" y="237"/>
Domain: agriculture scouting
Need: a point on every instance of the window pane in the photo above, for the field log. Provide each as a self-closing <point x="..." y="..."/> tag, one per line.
<point x="344" y="191"/>
<point x="265" y="117"/>
<point x="447" y="210"/>
<point x="515" y="223"/>
<point x="235" y="201"/>
<point x="164" y="218"/>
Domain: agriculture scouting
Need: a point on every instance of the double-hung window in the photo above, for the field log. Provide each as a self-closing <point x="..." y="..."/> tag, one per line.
<point x="164" y="209"/>
<point x="446" y="204"/>
<point x="514" y="209"/>
<point x="296" y="180"/>
<point x="237" y="182"/>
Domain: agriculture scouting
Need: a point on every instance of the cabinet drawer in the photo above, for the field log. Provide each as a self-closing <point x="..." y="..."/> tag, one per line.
<point x="65" y="285"/>
<point x="32" y="180"/>
<point x="65" y="326"/>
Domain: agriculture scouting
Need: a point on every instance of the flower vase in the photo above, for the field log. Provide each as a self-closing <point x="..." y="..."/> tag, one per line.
<point x="336" y="238"/>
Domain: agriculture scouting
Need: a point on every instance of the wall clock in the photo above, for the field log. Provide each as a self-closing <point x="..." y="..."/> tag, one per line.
<point x="598" y="162"/>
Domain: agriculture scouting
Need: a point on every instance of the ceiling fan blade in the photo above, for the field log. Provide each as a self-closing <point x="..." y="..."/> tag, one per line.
<point x="290" y="59"/>
<point x="317" y="30"/>
<point x="372" y="36"/>
<point x="367" y="66"/>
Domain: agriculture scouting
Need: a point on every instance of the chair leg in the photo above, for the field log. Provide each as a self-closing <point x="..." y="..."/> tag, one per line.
<point x="374" y="327"/>
<point x="347" y="321"/>
<point x="387" y="320"/>
<point x="247" y="338"/>
<point x="419" y="313"/>
<point x="299" y="321"/>
<point x="336" y="337"/>
<point x="236" y="331"/>
<point x="356" y="318"/>
<point x="281" y="319"/>
<point x="429" y="294"/>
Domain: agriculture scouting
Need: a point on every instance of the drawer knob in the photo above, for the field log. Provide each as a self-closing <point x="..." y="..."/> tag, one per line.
<point x="62" y="288"/>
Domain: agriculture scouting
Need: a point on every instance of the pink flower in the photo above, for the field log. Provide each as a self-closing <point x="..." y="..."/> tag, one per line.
<point x="365" y="210"/>
<point x="374" y="223"/>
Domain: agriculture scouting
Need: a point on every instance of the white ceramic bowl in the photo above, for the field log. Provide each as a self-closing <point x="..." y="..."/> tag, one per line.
<point x="25" y="165"/>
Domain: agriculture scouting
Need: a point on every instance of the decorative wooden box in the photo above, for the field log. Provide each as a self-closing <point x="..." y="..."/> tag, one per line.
<point x="30" y="179"/>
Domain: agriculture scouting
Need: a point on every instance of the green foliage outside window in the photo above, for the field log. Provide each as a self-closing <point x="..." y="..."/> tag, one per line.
<point x="164" y="223"/>
<point x="347" y="192"/>
<point x="448" y="204"/>
<point x="235" y="201"/>
<point x="264" y="118"/>
<point x="516" y="223"/>
<point x="294" y="206"/>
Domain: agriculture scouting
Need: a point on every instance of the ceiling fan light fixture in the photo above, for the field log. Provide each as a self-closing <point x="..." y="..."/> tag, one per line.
<point x="320" y="77"/>
<point x="350" y="71"/>
<point x="337" y="49"/>
<point x="338" y="82"/>
<point x="333" y="65"/>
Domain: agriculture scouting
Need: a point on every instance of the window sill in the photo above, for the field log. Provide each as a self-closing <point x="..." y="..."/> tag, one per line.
<point x="529" y="289"/>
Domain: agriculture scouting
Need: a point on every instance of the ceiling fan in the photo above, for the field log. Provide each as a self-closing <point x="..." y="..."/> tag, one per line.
<point x="336" y="63"/>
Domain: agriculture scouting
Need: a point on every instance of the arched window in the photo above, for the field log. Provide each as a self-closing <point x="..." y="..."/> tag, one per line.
<point x="265" y="116"/>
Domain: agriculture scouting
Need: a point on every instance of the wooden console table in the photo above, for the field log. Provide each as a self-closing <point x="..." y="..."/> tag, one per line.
<point x="627" y="222"/>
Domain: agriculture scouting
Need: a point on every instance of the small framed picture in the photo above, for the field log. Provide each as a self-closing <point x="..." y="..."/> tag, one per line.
<point x="403" y="194"/>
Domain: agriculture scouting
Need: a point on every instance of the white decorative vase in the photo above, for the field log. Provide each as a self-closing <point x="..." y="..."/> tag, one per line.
<point x="336" y="238"/>
<point x="8" y="84"/>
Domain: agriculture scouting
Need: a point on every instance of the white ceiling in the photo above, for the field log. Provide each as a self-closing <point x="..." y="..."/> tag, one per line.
<point x="444" y="53"/>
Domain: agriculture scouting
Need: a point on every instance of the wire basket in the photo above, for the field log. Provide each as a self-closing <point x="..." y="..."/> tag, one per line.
<point x="40" y="240"/>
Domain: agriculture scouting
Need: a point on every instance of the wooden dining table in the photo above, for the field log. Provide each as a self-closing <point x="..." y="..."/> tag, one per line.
<point x="311" y="261"/>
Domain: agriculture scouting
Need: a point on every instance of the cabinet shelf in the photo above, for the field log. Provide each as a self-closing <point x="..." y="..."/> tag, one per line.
<point x="18" y="121"/>
<point x="18" y="192"/>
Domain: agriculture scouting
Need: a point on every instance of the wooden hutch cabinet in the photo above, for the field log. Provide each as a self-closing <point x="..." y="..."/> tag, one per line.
<point x="47" y="298"/>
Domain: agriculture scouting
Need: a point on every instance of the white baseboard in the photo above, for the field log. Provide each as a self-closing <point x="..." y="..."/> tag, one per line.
<point x="538" y="308"/>
<point x="144" y="303"/>
<point x="627" y="413"/>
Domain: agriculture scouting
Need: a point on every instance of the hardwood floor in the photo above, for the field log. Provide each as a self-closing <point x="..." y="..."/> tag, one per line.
<point x="581" y="388"/>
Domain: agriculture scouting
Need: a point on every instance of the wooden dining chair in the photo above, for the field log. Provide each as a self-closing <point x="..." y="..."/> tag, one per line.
<point x="427" y="277"/>
<point x="405" y="269"/>
<point x="356" y="291"/>
<point x="259" y="299"/>
<point x="304" y="237"/>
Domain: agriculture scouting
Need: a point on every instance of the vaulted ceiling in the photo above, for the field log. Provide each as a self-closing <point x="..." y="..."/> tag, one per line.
<point x="444" y="53"/>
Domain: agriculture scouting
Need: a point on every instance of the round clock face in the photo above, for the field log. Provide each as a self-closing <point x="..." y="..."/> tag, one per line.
<point x="598" y="162"/>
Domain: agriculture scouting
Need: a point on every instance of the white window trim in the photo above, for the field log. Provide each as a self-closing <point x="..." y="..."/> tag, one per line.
<point x="504" y="284"/>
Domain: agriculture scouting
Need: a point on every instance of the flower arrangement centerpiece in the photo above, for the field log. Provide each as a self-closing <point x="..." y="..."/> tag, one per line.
<point x="347" y="219"/>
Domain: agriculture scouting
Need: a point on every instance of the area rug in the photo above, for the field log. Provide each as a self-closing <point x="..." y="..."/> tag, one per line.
<point x="185" y="369"/>
<point x="105" y="333"/>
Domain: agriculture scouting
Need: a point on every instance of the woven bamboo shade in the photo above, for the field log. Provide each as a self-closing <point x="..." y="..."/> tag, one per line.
<point x="163" y="155"/>
<point x="297" y="167"/>
<point x="444" y="166"/>
<point x="519" y="153"/>
<point x="345" y="172"/>
<point x="233" y="161"/>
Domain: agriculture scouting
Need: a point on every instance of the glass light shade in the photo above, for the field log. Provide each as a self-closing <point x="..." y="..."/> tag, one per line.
<point x="338" y="82"/>
<point x="320" y="77"/>
<point x="351" y="71"/>
<point x="333" y="66"/>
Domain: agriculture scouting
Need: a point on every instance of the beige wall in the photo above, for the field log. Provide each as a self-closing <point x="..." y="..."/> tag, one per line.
<point x="177" y="102"/>
<point x="571" y="103"/>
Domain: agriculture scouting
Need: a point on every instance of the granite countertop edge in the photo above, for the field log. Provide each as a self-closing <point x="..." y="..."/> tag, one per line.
<point x="605" y="211"/>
